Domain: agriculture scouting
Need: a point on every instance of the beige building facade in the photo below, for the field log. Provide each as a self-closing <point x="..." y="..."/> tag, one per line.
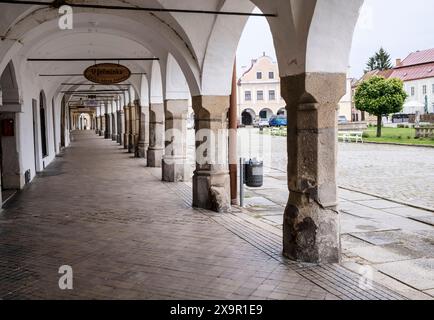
<point x="259" y="95"/>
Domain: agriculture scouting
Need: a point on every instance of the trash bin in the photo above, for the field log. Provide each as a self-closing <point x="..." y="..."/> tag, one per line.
<point x="254" y="173"/>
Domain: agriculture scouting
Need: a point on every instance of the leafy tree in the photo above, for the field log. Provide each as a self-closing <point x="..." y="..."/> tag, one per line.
<point x="380" y="97"/>
<point x="379" y="61"/>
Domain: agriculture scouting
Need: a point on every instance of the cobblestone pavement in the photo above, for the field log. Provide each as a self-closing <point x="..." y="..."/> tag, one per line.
<point x="127" y="235"/>
<point x="394" y="172"/>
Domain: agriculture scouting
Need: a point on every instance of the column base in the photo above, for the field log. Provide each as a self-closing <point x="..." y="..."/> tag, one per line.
<point x="114" y="136"/>
<point x="155" y="157"/>
<point x="107" y="135"/>
<point x="125" y="141"/>
<point x="175" y="170"/>
<point x="141" y="150"/>
<point x="211" y="191"/>
<point x="100" y="133"/>
<point x="310" y="231"/>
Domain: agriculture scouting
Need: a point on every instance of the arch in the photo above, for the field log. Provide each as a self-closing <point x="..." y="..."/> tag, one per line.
<point x="248" y="117"/>
<point x="10" y="164"/>
<point x="282" y="112"/>
<point x="266" y="113"/>
<point x="144" y="92"/>
<point x="174" y="84"/>
<point x="152" y="31"/>
<point x="156" y="87"/>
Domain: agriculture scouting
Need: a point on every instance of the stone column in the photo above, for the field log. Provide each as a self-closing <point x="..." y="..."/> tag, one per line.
<point x="211" y="180"/>
<point x="311" y="221"/>
<point x="156" y="135"/>
<point x="121" y="132"/>
<point x="126" y="126"/>
<point x="107" y="134"/>
<point x="103" y="125"/>
<point x="174" y="162"/>
<point x="131" y="127"/>
<point x="143" y="120"/>
<point x="114" y="129"/>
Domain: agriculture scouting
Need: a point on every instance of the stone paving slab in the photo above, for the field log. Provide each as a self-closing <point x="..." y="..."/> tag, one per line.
<point x="417" y="273"/>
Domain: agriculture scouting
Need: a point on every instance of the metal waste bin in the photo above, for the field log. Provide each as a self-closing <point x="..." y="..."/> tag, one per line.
<point x="254" y="173"/>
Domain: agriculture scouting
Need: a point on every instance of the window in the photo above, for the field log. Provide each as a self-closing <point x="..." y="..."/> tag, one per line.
<point x="271" y="95"/>
<point x="248" y="96"/>
<point x="271" y="75"/>
<point x="424" y="89"/>
<point x="259" y="75"/>
<point x="412" y="91"/>
<point x="433" y="88"/>
<point x="260" y="95"/>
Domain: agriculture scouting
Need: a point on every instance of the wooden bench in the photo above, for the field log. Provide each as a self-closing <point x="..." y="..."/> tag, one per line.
<point x="350" y="136"/>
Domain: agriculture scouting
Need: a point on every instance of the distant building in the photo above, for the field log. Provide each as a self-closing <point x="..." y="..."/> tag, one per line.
<point x="259" y="93"/>
<point x="417" y="73"/>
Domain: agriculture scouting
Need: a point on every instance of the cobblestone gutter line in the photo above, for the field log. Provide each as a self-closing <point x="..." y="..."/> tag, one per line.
<point x="334" y="278"/>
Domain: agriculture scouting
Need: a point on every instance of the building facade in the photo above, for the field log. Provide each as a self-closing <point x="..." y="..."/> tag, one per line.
<point x="259" y="97"/>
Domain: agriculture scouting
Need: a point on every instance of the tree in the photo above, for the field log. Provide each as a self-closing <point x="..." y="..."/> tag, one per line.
<point x="380" y="97"/>
<point x="379" y="61"/>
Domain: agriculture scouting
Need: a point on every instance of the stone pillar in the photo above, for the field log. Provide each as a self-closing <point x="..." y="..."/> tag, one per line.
<point x="97" y="125"/>
<point x="211" y="180"/>
<point x="107" y="133"/>
<point x="156" y="135"/>
<point x="131" y="127"/>
<point x="311" y="221"/>
<point x="143" y="141"/>
<point x="121" y="127"/>
<point x="103" y="125"/>
<point x="174" y="164"/>
<point x="114" y="129"/>
<point x="126" y="126"/>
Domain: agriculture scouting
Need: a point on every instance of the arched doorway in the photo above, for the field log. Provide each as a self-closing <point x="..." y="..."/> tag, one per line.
<point x="281" y="112"/>
<point x="248" y="117"/>
<point x="266" y="114"/>
<point x="10" y="171"/>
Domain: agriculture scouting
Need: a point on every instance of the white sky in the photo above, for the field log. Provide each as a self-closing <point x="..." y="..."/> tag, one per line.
<point x="400" y="26"/>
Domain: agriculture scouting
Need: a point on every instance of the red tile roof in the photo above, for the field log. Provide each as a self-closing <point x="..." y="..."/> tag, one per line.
<point x="414" y="72"/>
<point x="418" y="57"/>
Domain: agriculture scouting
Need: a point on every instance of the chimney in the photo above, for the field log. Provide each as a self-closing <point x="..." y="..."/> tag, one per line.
<point x="398" y="63"/>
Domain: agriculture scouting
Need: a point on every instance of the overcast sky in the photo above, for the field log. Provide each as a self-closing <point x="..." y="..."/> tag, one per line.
<point x="400" y="26"/>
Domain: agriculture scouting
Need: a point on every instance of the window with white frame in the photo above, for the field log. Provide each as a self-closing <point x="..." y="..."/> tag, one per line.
<point x="271" y="75"/>
<point x="260" y="95"/>
<point x="248" y="96"/>
<point x="272" y="95"/>
<point x="433" y="88"/>
<point x="424" y="89"/>
<point x="412" y="91"/>
<point x="259" y="75"/>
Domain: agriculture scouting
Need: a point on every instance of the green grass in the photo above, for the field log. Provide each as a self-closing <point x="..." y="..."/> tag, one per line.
<point x="396" y="135"/>
<point x="389" y="135"/>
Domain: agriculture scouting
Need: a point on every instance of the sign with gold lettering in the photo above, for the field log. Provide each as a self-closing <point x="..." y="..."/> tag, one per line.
<point x="107" y="73"/>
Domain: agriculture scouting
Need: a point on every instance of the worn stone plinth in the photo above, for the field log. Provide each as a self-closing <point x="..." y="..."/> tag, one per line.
<point x="156" y="135"/>
<point x="211" y="180"/>
<point x="174" y="162"/>
<point x="311" y="221"/>
<point x="175" y="169"/>
<point x="211" y="190"/>
<point x="143" y="143"/>
<point x="155" y="157"/>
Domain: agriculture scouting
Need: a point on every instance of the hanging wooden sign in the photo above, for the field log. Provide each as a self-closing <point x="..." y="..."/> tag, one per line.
<point x="107" y="73"/>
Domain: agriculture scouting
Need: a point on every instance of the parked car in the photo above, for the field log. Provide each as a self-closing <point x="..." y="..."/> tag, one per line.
<point x="263" y="123"/>
<point x="342" y="120"/>
<point x="278" y="121"/>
